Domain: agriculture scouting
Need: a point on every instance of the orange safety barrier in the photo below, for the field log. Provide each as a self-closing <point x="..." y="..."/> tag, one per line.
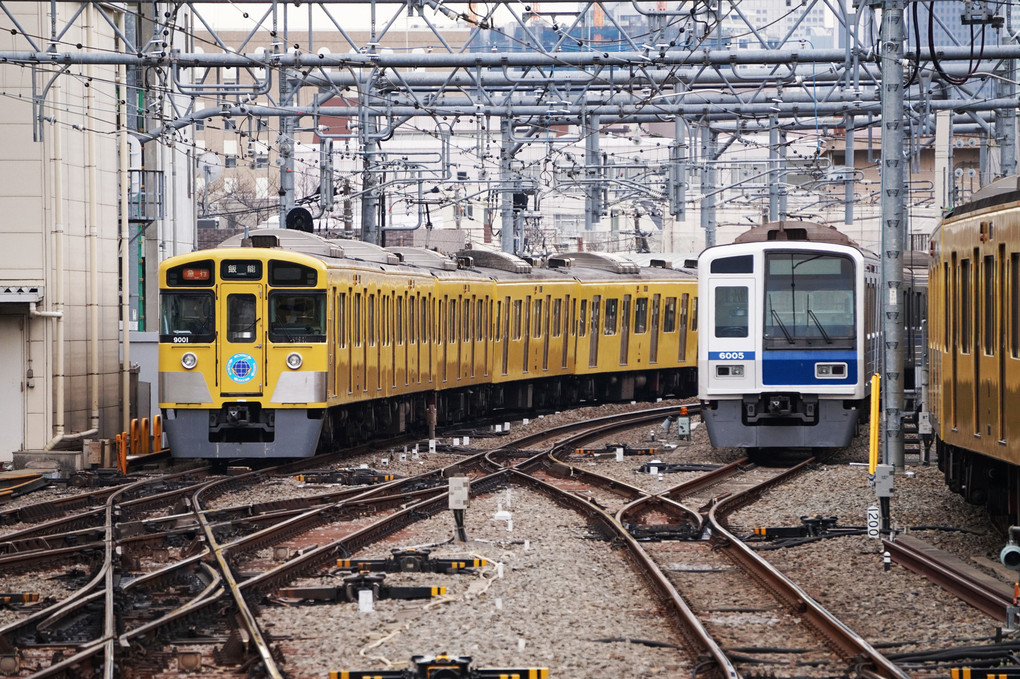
<point x="122" y="452"/>
<point x="135" y="443"/>
<point x="143" y="437"/>
<point x="157" y="433"/>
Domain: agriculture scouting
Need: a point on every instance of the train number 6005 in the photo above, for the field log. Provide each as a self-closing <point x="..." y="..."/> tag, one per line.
<point x="731" y="355"/>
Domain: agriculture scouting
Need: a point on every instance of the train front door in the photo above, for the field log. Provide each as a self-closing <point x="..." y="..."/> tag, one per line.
<point x="240" y="336"/>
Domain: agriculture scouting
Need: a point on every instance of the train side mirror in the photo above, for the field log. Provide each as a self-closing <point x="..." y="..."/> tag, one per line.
<point x="1010" y="554"/>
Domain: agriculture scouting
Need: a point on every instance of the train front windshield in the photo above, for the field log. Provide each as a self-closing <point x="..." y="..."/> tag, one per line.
<point x="809" y="300"/>
<point x="187" y="317"/>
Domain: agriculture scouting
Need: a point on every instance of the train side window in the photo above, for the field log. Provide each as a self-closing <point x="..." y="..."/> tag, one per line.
<point x="341" y="320"/>
<point x="738" y="264"/>
<point x="947" y="310"/>
<point x="731" y="311"/>
<point x="423" y="321"/>
<point x="965" y="306"/>
<point x="640" y="315"/>
<point x="371" y="320"/>
<point x="499" y="316"/>
<point x="582" y="329"/>
<point x="479" y="320"/>
<point x="517" y="319"/>
<point x="669" y="315"/>
<point x="357" y="319"/>
<point x="694" y="314"/>
<point x="400" y="320"/>
<point x="537" y="332"/>
<point x="990" y="297"/>
<point x="1014" y="316"/>
<point x="557" y="311"/>
<point x="610" y="325"/>
<point x="411" y="336"/>
<point x="452" y="315"/>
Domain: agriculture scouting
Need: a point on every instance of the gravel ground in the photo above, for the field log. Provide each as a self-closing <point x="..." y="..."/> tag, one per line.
<point x="563" y="591"/>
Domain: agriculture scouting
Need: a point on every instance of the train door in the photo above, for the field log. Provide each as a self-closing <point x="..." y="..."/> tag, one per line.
<point x="625" y="331"/>
<point x="596" y="330"/>
<point x="241" y="322"/>
<point x="732" y="335"/>
<point x="682" y="329"/>
<point x="563" y="322"/>
<point x="991" y="349"/>
<point x="527" y="333"/>
<point x="506" y="334"/>
<point x="653" y="345"/>
<point x="544" y="320"/>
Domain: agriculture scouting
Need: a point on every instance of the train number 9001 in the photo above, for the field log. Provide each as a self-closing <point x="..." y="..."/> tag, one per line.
<point x="731" y="355"/>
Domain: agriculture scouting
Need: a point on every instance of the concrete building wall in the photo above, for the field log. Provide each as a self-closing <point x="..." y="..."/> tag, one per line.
<point x="59" y="240"/>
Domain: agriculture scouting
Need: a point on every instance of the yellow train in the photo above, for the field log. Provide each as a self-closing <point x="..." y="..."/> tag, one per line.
<point x="285" y="343"/>
<point x="974" y="347"/>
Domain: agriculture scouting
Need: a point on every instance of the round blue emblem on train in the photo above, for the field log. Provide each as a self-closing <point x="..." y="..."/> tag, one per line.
<point x="241" y="368"/>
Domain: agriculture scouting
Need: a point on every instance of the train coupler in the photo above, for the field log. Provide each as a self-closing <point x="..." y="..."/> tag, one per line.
<point x="411" y="561"/>
<point x="351" y="588"/>
<point x="444" y="667"/>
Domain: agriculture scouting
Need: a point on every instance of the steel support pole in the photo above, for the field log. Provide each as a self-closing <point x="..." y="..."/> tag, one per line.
<point x="506" y="191"/>
<point x="709" y="183"/>
<point x="1005" y="119"/>
<point x="894" y="164"/>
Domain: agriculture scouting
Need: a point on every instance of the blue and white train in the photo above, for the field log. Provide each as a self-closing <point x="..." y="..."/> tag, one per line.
<point x="788" y="340"/>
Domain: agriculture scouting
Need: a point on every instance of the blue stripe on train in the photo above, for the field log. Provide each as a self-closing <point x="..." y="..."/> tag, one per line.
<point x="779" y="368"/>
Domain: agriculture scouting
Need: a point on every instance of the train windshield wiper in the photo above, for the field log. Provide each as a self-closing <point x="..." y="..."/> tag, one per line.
<point x="782" y="327"/>
<point x="825" y="335"/>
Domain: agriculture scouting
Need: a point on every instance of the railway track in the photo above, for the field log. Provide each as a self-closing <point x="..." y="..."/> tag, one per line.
<point x="194" y="586"/>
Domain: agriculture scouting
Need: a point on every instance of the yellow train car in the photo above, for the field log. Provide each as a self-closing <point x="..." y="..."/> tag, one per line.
<point x="285" y="343"/>
<point x="974" y="347"/>
<point x="636" y="328"/>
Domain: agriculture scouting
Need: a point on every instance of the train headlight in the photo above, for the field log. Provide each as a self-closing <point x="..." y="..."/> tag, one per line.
<point x="189" y="360"/>
<point x="832" y="371"/>
<point x="294" y="361"/>
<point x="729" y="370"/>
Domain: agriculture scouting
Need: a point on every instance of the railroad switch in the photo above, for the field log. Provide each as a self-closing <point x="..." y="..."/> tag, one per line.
<point x="682" y="531"/>
<point x="348" y="477"/>
<point x="674" y="468"/>
<point x="411" y="561"/>
<point x="444" y="667"/>
<point x="811" y="528"/>
<point x="9" y="598"/>
<point x="98" y="478"/>
<point x="348" y="592"/>
<point x="610" y="451"/>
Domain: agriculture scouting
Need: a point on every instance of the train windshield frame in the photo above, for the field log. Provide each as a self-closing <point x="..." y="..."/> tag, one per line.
<point x="810" y="300"/>
<point x="187" y="316"/>
<point x="297" y="316"/>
